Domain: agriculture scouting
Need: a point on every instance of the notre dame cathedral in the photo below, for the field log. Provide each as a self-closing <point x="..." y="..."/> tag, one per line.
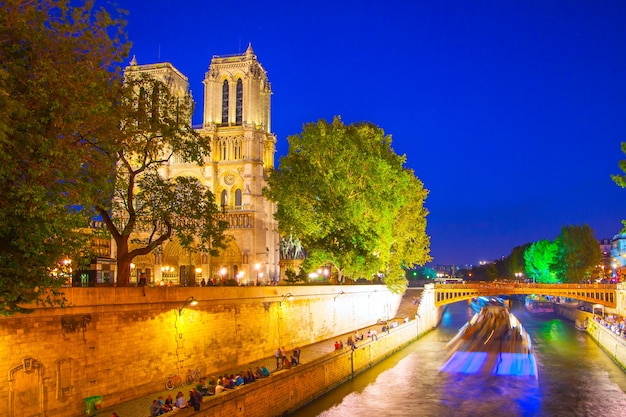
<point x="236" y="117"/>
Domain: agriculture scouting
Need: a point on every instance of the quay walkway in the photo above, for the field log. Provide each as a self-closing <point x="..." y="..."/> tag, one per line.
<point x="139" y="407"/>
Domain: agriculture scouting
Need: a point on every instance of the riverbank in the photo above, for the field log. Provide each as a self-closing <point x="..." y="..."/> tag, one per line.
<point x="613" y="345"/>
<point x="322" y="369"/>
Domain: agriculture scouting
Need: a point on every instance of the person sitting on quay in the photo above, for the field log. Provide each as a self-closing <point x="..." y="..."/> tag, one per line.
<point x="195" y="399"/>
<point x="265" y="371"/>
<point x="351" y="343"/>
<point x="294" y="361"/>
<point x="358" y="336"/>
<point x="337" y="345"/>
<point x="239" y="379"/>
<point x="156" y="409"/>
<point x="249" y="376"/>
<point x="181" y="402"/>
<point x="169" y="402"/>
<point x="296" y="354"/>
<point x="219" y="389"/>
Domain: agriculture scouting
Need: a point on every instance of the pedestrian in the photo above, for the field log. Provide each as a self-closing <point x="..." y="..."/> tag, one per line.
<point x="296" y="354"/>
<point x="278" y="362"/>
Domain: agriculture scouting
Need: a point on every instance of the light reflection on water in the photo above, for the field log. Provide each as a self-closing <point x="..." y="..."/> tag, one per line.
<point x="575" y="379"/>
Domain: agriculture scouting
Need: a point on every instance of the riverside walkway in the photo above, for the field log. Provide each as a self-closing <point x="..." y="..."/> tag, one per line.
<point x="139" y="407"/>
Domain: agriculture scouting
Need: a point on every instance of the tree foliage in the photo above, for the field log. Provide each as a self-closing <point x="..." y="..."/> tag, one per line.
<point x="540" y="259"/>
<point x="343" y="191"/>
<point x="578" y="255"/>
<point x="620" y="180"/>
<point x="144" y="204"/>
<point x="58" y="85"/>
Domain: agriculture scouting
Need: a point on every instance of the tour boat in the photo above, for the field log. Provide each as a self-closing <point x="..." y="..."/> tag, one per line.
<point x="492" y="342"/>
<point x="539" y="304"/>
<point x="479" y="302"/>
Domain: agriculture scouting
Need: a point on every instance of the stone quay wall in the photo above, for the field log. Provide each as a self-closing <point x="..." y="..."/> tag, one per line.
<point x="122" y="343"/>
<point x="286" y="391"/>
<point x="611" y="344"/>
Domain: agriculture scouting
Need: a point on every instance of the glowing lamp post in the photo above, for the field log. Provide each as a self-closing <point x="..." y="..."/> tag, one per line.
<point x="222" y="274"/>
<point x="257" y="266"/>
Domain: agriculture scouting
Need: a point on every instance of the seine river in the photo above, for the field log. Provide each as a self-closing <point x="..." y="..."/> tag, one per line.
<point x="575" y="378"/>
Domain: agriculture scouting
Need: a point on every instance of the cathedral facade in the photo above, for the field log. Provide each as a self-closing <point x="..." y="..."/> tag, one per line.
<point x="236" y="118"/>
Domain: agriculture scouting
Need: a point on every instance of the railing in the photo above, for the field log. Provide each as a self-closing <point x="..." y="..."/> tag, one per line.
<point x="594" y="293"/>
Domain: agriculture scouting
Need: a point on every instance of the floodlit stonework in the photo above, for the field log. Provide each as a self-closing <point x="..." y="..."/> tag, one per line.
<point x="236" y="118"/>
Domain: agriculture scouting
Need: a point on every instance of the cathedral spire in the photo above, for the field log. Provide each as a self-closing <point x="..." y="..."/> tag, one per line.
<point x="249" y="51"/>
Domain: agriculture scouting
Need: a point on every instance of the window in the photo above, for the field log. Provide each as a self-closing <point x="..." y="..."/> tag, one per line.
<point x="238" y="197"/>
<point x="224" y="198"/>
<point x="239" y="102"/>
<point x="225" y="102"/>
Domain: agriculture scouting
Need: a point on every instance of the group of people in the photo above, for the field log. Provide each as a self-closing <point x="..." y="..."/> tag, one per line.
<point x="615" y="323"/>
<point x="211" y="386"/>
<point x="282" y="362"/>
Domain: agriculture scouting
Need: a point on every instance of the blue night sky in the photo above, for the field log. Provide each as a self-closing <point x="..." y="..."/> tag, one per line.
<point x="511" y="112"/>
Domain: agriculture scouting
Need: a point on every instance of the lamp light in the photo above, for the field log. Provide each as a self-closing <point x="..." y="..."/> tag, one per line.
<point x="288" y="296"/>
<point x="191" y="301"/>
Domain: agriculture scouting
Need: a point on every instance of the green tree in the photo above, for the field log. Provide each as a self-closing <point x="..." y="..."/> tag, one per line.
<point x="579" y="253"/>
<point x="156" y="126"/>
<point x="343" y="191"/>
<point x="540" y="258"/>
<point x="59" y="82"/>
<point x="621" y="179"/>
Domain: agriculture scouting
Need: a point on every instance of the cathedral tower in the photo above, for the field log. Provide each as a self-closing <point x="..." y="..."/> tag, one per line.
<point x="236" y="118"/>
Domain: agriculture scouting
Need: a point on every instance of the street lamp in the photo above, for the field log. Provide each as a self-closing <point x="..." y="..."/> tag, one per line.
<point x="257" y="266"/>
<point x="222" y="273"/>
<point x="288" y="296"/>
<point x="191" y="301"/>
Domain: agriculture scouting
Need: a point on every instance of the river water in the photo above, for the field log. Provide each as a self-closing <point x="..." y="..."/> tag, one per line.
<point x="575" y="378"/>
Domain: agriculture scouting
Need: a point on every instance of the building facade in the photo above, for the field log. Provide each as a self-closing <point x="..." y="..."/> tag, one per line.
<point x="236" y="118"/>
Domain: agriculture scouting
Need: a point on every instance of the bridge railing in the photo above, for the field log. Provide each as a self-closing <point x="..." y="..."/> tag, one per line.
<point x="516" y="285"/>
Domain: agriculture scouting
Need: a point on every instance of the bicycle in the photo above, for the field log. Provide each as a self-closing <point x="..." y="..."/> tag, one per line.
<point x="174" y="380"/>
<point x="193" y="375"/>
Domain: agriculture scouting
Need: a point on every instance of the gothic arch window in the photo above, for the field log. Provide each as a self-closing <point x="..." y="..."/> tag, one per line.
<point x="223" y="150"/>
<point x="237" y="149"/>
<point x="238" y="197"/>
<point x="224" y="198"/>
<point x="225" y="102"/>
<point x="239" y="102"/>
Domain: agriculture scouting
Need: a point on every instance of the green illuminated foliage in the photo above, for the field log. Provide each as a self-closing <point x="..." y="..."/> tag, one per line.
<point x="343" y="191"/>
<point x="621" y="179"/>
<point x="540" y="258"/>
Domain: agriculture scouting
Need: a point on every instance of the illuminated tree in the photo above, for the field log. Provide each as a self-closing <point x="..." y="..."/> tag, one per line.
<point x="343" y="191"/>
<point x="540" y="258"/>
<point x="58" y="85"/>
<point x="621" y="179"/>
<point x="579" y="253"/>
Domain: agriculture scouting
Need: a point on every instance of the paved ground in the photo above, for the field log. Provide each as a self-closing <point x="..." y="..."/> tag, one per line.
<point x="140" y="407"/>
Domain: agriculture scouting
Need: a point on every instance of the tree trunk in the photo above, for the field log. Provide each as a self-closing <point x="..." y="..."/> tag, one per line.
<point x="123" y="263"/>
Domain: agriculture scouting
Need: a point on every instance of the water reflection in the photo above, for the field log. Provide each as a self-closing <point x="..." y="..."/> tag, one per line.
<point x="575" y="379"/>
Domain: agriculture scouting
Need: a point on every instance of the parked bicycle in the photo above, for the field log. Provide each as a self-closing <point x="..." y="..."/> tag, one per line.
<point x="174" y="380"/>
<point x="193" y="375"/>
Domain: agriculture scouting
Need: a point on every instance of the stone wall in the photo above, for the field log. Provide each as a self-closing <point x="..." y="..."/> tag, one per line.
<point x="612" y="344"/>
<point x="288" y="390"/>
<point x="122" y="343"/>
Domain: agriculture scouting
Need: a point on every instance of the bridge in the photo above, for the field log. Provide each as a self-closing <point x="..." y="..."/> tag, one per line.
<point x="604" y="294"/>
